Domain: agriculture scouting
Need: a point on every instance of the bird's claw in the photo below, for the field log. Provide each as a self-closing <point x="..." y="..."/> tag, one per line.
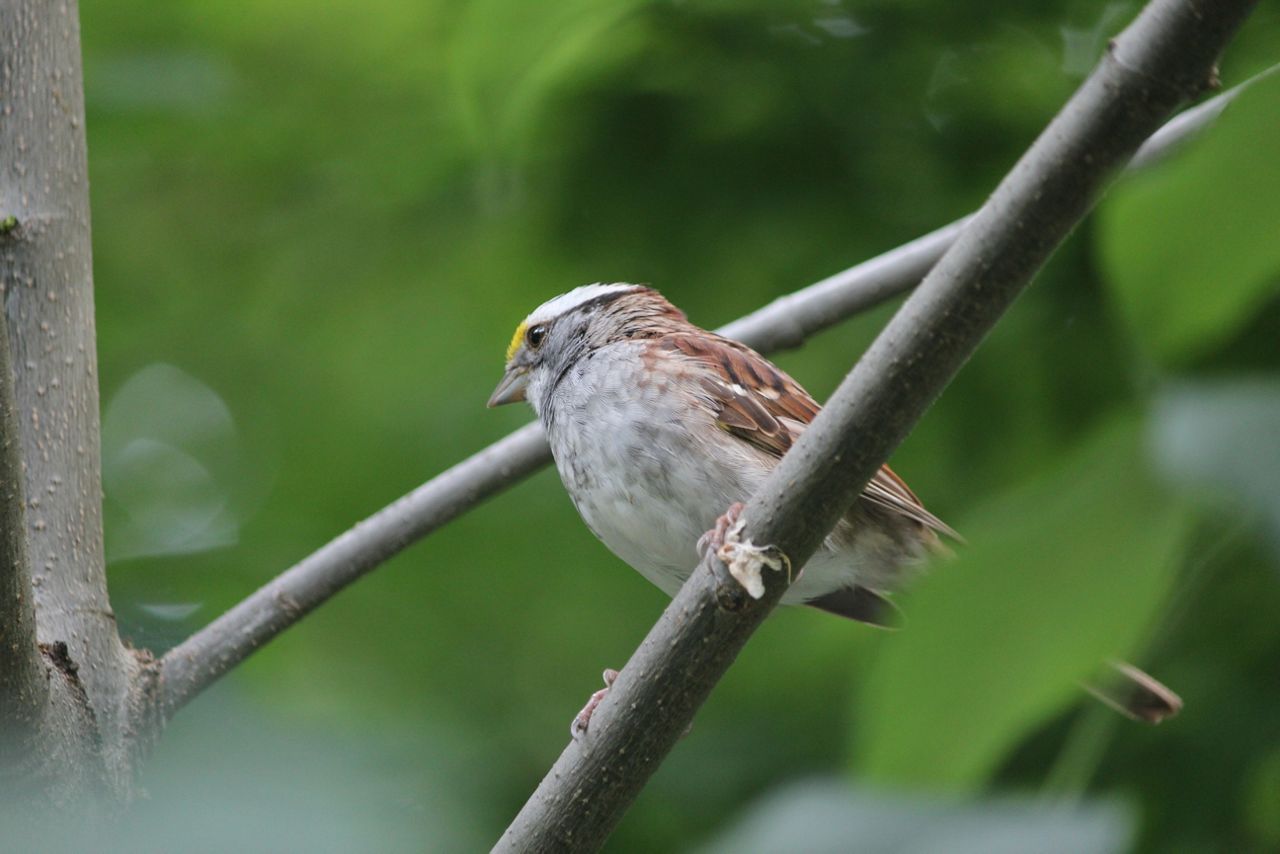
<point x="578" y="728"/>
<point x="713" y="540"/>
<point x="743" y="558"/>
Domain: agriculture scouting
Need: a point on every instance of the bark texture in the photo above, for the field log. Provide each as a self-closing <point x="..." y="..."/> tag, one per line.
<point x="46" y="269"/>
<point x="23" y="690"/>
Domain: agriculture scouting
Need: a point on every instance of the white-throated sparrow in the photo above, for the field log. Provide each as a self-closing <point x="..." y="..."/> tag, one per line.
<point x="657" y="426"/>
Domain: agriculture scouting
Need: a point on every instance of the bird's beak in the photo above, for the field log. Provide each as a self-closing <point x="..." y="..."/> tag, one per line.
<point x="511" y="389"/>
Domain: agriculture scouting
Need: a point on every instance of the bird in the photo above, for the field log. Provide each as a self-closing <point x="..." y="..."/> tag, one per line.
<point x="657" y="426"/>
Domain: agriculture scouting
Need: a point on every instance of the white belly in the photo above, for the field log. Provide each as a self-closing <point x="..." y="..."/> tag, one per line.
<point x="643" y="500"/>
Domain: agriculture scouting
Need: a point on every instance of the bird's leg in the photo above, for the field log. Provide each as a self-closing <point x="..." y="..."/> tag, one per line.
<point x="714" y="539"/>
<point x="578" y="728"/>
<point x="743" y="558"/>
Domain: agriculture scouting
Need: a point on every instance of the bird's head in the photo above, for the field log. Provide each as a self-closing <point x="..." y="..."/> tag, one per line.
<point x="562" y="330"/>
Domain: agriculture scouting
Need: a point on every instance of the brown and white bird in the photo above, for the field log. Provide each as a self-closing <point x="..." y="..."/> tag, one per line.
<point x="657" y="426"/>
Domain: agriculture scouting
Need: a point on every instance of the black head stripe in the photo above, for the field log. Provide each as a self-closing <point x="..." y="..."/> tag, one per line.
<point x="596" y="303"/>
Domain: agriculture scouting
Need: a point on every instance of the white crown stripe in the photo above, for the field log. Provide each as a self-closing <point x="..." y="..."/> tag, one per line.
<point x="564" y="303"/>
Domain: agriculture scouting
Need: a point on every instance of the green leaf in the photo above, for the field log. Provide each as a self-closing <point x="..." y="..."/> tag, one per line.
<point x="1058" y="576"/>
<point x="1191" y="248"/>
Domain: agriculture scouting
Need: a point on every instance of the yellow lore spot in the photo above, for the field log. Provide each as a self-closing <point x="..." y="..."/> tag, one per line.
<point x="515" y="341"/>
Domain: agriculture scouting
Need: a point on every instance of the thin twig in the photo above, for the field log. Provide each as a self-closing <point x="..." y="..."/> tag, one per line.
<point x="1165" y="57"/>
<point x="784" y="323"/>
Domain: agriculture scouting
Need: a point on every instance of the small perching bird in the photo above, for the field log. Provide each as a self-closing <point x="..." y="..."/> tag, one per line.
<point x="658" y="426"/>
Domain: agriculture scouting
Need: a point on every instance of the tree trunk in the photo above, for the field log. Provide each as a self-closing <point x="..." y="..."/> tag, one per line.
<point x="77" y="692"/>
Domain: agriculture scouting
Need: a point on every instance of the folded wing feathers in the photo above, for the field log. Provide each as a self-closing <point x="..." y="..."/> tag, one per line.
<point x="764" y="407"/>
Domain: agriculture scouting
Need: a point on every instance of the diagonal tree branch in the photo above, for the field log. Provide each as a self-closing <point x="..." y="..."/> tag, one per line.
<point x="191" y="666"/>
<point x="785" y="323"/>
<point x="789" y="320"/>
<point x="1164" y="57"/>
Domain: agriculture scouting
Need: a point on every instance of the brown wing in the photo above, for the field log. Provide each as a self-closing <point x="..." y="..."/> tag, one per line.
<point x="752" y="399"/>
<point x="764" y="407"/>
<point x="890" y="491"/>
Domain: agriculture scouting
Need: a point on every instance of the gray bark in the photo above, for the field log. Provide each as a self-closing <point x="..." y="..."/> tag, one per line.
<point x="1165" y="57"/>
<point x="85" y="676"/>
<point x="23" y="690"/>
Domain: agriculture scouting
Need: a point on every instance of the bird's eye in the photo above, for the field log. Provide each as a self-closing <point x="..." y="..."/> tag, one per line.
<point x="535" y="335"/>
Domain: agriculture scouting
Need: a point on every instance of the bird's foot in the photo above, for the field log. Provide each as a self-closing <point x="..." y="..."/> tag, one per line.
<point x="578" y="728"/>
<point x="714" y="539"/>
<point x="744" y="559"/>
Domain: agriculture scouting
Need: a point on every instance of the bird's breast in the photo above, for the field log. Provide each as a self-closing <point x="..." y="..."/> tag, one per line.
<point x="629" y="457"/>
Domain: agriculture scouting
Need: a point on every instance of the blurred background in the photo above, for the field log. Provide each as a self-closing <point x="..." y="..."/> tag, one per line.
<point x="315" y="226"/>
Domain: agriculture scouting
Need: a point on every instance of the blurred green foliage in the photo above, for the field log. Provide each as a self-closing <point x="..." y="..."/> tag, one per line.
<point x="315" y="226"/>
<point x="1072" y="586"/>
<point x="1192" y="251"/>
